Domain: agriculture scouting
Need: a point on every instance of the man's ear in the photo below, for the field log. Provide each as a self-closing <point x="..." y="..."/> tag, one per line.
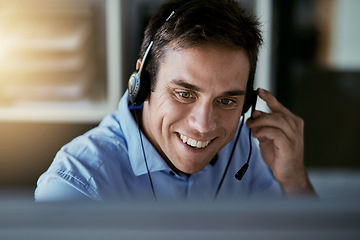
<point x="138" y="64"/>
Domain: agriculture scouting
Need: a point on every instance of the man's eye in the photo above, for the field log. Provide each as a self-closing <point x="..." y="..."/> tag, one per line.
<point x="185" y="94"/>
<point x="185" y="97"/>
<point x="226" y="101"/>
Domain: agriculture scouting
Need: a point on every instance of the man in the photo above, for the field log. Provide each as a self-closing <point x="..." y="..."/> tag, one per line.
<point x="182" y="138"/>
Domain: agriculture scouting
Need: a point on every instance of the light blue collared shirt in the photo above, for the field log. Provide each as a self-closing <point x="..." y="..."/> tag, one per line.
<point x="107" y="163"/>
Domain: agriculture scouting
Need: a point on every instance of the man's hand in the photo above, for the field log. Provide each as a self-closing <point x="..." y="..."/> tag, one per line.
<point x="281" y="137"/>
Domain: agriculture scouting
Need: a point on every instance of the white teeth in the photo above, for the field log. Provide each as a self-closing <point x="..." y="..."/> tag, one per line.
<point x="193" y="142"/>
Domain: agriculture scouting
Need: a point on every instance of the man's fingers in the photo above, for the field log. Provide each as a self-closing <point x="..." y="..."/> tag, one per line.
<point x="273" y="120"/>
<point x="276" y="107"/>
<point x="279" y="138"/>
<point x="272" y="102"/>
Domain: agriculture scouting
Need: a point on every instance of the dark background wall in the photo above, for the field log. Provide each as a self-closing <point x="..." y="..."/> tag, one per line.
<point x="326" y="97"/>
<point x="27" y="149"/>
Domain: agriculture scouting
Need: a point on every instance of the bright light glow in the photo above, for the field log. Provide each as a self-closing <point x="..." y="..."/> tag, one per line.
<point x="54" y="52"/>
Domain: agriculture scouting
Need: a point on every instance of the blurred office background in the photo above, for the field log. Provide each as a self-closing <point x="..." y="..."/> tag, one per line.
<point x="64" y="65"/>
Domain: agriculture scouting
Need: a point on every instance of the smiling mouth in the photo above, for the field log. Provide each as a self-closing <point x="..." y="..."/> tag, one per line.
<point x="194" y="143"/>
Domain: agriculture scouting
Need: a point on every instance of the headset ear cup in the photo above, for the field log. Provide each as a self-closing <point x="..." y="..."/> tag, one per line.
<point x="133" y="87"/>
<point x="144" y="89"/>
<point x="139" y="82"/>
<point x="247" y="103"/>
<point x="245" y="108"/>
<point x="139" y="88"/>
<point x="250" y="100"/>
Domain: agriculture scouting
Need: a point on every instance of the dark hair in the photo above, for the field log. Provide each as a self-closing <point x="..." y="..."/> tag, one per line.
<point x="219" y="22"/>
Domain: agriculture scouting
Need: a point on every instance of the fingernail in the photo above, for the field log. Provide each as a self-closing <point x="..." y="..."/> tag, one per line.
<point x="261" y="90"/>
<point x="256" y="114"/>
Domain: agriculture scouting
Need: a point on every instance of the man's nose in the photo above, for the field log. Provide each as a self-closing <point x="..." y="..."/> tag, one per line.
<point x="203" y="118"/>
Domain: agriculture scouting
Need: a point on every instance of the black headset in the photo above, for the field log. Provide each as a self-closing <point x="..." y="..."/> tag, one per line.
<point x="139" y="88"/>
<point x="139" y="82"/>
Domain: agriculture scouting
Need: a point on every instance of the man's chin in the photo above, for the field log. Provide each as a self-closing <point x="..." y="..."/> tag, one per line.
<point x="191" y="169"/>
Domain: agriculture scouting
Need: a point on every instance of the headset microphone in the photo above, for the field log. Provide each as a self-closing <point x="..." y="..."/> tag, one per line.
<point x="252" y="97"/>
<point x="239" y="175"/>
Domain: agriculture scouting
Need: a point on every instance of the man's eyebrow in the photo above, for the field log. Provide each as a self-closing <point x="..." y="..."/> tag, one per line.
<point x="234" y="93"/>
<point x="190" y="86"/>
<point x="186" y="85"/>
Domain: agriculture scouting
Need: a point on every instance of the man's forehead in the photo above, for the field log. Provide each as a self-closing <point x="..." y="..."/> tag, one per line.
<point x="207" y="52"/>
<point x="227" y="68"/>
<point x="178" y="45"/>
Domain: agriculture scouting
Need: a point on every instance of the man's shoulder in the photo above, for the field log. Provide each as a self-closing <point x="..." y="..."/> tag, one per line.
<point x="88" y="161"/>
<point x="99" y="144"/>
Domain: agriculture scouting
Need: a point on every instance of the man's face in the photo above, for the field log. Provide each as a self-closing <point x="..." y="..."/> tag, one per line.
<point x="196" y="105"/>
